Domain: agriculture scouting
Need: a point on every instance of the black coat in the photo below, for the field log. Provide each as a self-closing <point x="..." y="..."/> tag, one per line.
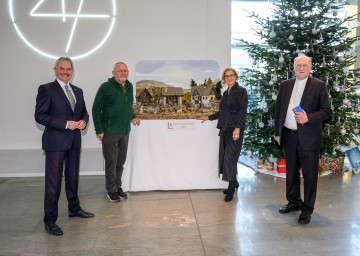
<point x="315" y="102"/>
<point x="232" y="113"/>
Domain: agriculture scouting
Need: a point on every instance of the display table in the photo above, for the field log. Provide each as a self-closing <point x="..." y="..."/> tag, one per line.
<point x="172" y="155"/>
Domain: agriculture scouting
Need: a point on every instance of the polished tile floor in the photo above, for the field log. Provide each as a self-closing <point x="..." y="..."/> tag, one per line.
<point x="188" y="223"/>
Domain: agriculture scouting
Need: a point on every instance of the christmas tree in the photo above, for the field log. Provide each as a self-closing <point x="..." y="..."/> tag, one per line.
<point x="316" y="29"/>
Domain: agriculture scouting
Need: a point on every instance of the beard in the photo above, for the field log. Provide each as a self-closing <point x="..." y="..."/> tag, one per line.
<point x="121" y="80"/>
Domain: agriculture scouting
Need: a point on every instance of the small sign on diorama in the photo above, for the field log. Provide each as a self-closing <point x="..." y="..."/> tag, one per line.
<point x="177" y="125"/>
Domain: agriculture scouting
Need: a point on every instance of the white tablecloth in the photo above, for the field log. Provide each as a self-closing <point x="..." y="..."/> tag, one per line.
<point x="184" y="157"/>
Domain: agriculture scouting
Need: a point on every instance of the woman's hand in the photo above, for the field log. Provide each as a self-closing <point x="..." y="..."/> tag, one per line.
<point x="236" y="134"/>
<point x="203" y="118"/>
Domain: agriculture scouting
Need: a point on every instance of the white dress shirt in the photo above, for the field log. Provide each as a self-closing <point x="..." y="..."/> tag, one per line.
<point x="295" y="100"/>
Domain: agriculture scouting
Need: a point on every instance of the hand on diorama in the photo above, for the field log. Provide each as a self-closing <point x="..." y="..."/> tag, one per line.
<point x="203" y="118"/>
<point x="136" y="121"/>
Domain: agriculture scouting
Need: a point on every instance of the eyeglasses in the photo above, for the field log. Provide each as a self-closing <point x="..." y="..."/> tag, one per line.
<point x="65" y="69"/>
<point x="228" y="76"/>
<point x="302" y="65"/>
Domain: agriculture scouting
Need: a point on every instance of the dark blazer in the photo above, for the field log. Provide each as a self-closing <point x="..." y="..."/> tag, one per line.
<point x="233" y="108"/>
<point x="315" y="102"/>
<point x="53" y="110"/>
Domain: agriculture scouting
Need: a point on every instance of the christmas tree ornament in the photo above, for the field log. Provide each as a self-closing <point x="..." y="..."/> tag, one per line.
<point x="271" y="82"/>
<point x="356" y="131"/>
<point x="271" y="122"/>
<point x="314" y="31"/>
<point x="307" y="50"/>
<point x="335" y="53"/>
<point x="273" y="96"/>
<point x="323" y="64"/>
<point x="274" y="76"/>
<point x="297" y="50"/>
<point x="291" y="37"/>
<point x="293" y="12"/>
<point x="249" y="152"/>
<point x="261" y="125"/>
<point x="338" y="123"/>
<point x="343" y="131"/>
<point x="281" y="59"/>
<point x="272" y="33"/>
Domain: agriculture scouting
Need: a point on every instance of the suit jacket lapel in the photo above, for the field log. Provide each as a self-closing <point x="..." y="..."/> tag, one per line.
<point x="306" y="90"/>
<point x="288" y="93"/>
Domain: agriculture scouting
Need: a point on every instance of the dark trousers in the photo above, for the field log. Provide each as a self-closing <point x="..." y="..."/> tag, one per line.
<point x="229" y="153"/>
<point x="114" y="147"/>
<point x="54" y="167"/>
<point x="297" y="157"/>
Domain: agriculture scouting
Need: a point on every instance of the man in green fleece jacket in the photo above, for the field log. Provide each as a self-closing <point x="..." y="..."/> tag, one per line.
<point x="112" y="114"/>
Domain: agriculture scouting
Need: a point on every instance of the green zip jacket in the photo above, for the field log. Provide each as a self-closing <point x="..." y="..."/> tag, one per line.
<point x="112" y="109"/>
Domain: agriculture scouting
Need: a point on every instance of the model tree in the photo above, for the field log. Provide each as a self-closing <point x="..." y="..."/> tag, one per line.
<point x="316" y="29"/>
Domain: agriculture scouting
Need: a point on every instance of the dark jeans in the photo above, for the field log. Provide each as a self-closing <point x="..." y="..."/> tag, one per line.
<point x="114" y="147"/>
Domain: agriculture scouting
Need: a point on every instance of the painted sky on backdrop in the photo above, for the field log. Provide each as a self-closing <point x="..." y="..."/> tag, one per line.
<point x="177" y="72"/>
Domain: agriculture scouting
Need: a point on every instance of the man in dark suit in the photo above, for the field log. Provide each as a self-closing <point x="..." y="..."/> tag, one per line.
<point x="60" y="107"/>
<point x="300" y="134"/>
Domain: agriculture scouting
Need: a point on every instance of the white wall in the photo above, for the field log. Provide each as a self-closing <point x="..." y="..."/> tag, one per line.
<point x="144" y="30"/>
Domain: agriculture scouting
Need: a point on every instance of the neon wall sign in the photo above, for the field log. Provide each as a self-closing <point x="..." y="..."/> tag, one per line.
<point x="63" y="28"/>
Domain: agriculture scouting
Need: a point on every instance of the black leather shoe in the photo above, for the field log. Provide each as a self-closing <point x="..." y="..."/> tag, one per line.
<point x="229" y="195"/>
<point x="304" y="218"/>
<point x="53" y="229"/>
<point x="236" y="187"/>
<point x="81" y="214"/>
<point x="289" y="208"/>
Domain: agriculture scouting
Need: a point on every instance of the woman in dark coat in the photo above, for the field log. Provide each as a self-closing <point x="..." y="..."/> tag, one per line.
<point x="231" y="123"/>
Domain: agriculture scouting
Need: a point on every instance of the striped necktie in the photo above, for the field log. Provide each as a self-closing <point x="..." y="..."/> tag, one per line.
<point x="70" y="97"/>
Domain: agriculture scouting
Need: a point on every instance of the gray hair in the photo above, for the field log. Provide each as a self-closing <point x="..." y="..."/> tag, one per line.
<point x="302" y="55"/>
<point x="67" y="59"/>
<point x="119" y="63"/>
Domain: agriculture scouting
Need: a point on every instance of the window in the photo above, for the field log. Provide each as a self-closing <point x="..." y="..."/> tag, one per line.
<point x="241" y="27"/>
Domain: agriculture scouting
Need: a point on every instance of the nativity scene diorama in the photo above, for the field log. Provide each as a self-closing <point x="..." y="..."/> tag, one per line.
<point x="177" y="89"/>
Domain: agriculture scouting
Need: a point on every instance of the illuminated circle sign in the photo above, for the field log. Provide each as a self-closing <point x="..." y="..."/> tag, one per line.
<point x="74" y="28"/>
